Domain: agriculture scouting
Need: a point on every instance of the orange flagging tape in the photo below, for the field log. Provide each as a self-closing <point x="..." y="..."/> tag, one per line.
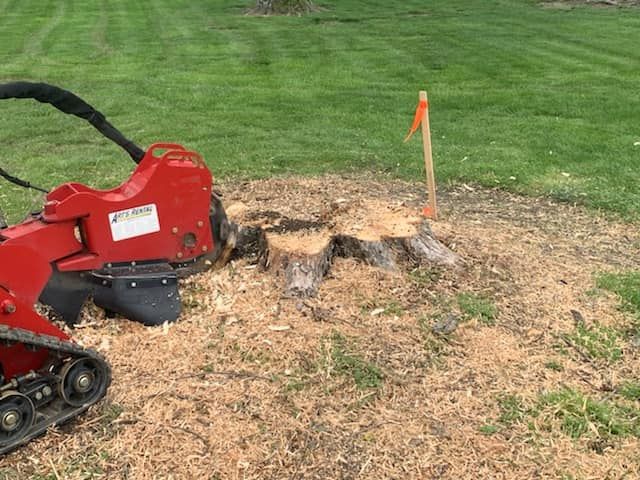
<point x="420" y="111"/>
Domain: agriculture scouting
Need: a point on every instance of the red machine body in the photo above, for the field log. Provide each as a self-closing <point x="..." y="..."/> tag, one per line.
<point x="20" y="287"/>
<point x="164" y="208"/>
<point x="166" y="198"/>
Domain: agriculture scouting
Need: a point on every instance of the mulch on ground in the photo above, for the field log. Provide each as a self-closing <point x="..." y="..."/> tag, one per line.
<point x="252" y="385"/>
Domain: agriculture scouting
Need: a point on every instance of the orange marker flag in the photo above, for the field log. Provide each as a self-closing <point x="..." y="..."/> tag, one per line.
<point x="422" y="118"/>
<point x="421" y="109"/>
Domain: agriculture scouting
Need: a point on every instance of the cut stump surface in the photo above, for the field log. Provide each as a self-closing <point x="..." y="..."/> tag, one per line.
<point x="300" y="250"/>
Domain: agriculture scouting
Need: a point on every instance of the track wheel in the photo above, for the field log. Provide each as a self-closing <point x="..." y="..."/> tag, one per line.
<point x="84" y="382"/>
<point x="16" y="417"/>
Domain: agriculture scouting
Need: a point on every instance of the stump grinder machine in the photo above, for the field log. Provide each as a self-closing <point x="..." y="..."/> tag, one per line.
<point x="125" y="248"/>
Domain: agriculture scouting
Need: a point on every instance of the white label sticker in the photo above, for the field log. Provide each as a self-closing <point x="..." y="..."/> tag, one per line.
<point x="134" y="222"/>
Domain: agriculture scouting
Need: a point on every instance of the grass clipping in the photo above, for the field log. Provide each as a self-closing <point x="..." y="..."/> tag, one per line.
<point x="535" y="375"/>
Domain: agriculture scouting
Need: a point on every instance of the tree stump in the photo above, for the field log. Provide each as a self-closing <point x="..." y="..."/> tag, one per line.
<point x="282" y="7"/>
<point x="300" y="250"/>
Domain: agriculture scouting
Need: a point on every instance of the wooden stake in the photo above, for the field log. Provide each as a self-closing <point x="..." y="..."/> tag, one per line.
<point x="431" y="210"/>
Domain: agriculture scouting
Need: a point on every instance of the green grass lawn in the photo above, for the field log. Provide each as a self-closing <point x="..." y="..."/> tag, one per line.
<point x="536" y="100"/>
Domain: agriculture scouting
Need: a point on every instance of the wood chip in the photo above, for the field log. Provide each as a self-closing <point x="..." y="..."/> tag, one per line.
<point x="279" y="328"/>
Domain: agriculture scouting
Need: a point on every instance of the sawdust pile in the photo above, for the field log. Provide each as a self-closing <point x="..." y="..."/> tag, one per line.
<point x="353" y="384"/>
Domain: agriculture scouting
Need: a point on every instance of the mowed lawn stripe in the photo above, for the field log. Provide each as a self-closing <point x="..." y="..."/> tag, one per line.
<point x="532" y="99"/>
<point x="34" y="45"/>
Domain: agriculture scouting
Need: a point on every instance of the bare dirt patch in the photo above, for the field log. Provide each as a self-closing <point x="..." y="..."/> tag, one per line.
<point x="353" y="383"/>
